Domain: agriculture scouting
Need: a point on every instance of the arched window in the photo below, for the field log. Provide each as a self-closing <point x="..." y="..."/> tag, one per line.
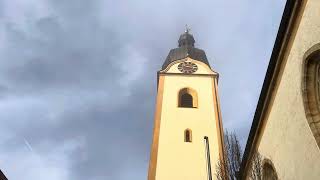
<point x="311" y="90"/>
<point x="187" y="98"/>
<point x="187" y="135"/>
<point x="269" y="172"/>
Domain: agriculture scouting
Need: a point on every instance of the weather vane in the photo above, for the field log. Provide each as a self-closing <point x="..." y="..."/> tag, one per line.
<point x="187" y="29"/>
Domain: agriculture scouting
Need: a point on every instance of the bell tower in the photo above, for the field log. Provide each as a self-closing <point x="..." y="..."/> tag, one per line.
<point x="187" y="137"/>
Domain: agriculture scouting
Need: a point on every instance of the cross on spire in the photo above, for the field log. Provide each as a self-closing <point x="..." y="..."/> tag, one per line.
<point x="187" y="29"/>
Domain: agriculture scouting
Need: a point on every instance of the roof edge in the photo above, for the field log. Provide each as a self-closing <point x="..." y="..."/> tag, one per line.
<point x="2" y="176"/>
<point x="179" y="53"/>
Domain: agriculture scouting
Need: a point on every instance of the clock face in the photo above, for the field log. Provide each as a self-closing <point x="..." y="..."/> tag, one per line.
<point x="187" y="67"/>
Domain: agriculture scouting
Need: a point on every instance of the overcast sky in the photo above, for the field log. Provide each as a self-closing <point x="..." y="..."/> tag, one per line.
<point x="78" y="78"/>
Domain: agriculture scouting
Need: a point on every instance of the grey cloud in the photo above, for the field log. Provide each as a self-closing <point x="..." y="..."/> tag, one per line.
<point x="59" y="56"/>
<point x="79" y="81"/>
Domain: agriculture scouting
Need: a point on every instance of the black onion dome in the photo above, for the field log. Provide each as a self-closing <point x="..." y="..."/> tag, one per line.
<point x="186" y="39"/>
<point x="186" y="49"/>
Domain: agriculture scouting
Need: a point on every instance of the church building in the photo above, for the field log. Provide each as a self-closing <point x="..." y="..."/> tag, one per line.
<point x="187" y="136"/>
<point x="286" y="125"/>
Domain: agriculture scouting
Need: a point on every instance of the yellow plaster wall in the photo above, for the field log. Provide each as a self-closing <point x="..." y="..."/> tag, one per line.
<point x="178" y="160"/>
<point x="287" y="139"/>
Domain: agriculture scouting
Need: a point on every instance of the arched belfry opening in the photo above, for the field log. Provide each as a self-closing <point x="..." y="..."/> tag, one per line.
<point x="188" y="98"/>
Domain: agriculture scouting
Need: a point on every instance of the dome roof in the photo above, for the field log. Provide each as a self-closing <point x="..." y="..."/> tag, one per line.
<point x="186" y="39"/>
<point x="186" y="49"/>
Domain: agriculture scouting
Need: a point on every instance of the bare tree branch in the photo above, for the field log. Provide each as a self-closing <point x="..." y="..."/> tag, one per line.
<point x="228" y="167"/>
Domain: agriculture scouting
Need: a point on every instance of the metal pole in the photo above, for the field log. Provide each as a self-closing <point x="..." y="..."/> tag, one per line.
<point x="206" y="139"/>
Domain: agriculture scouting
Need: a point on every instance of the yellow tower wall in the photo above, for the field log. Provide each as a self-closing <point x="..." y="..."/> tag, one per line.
<point x="171" y="157"/>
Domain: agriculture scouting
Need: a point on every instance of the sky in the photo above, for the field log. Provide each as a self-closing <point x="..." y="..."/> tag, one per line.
<point x="78" y="78"/>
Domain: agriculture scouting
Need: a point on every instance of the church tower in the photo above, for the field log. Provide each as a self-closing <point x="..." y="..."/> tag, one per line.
<point x="187" y="138"/>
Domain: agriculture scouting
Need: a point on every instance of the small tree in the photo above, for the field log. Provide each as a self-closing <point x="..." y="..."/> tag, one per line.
<point x="228" y="168"/>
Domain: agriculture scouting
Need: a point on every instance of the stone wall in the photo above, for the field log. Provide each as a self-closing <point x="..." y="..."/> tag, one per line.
<point x="287" y="139"/>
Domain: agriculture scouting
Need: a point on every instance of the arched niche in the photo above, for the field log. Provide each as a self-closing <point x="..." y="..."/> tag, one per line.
<point x="268" y="170"/>
<point x="311" y="89"/>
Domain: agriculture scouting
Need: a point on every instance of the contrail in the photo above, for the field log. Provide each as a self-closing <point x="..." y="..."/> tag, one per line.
<point x="28" y="145"/>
